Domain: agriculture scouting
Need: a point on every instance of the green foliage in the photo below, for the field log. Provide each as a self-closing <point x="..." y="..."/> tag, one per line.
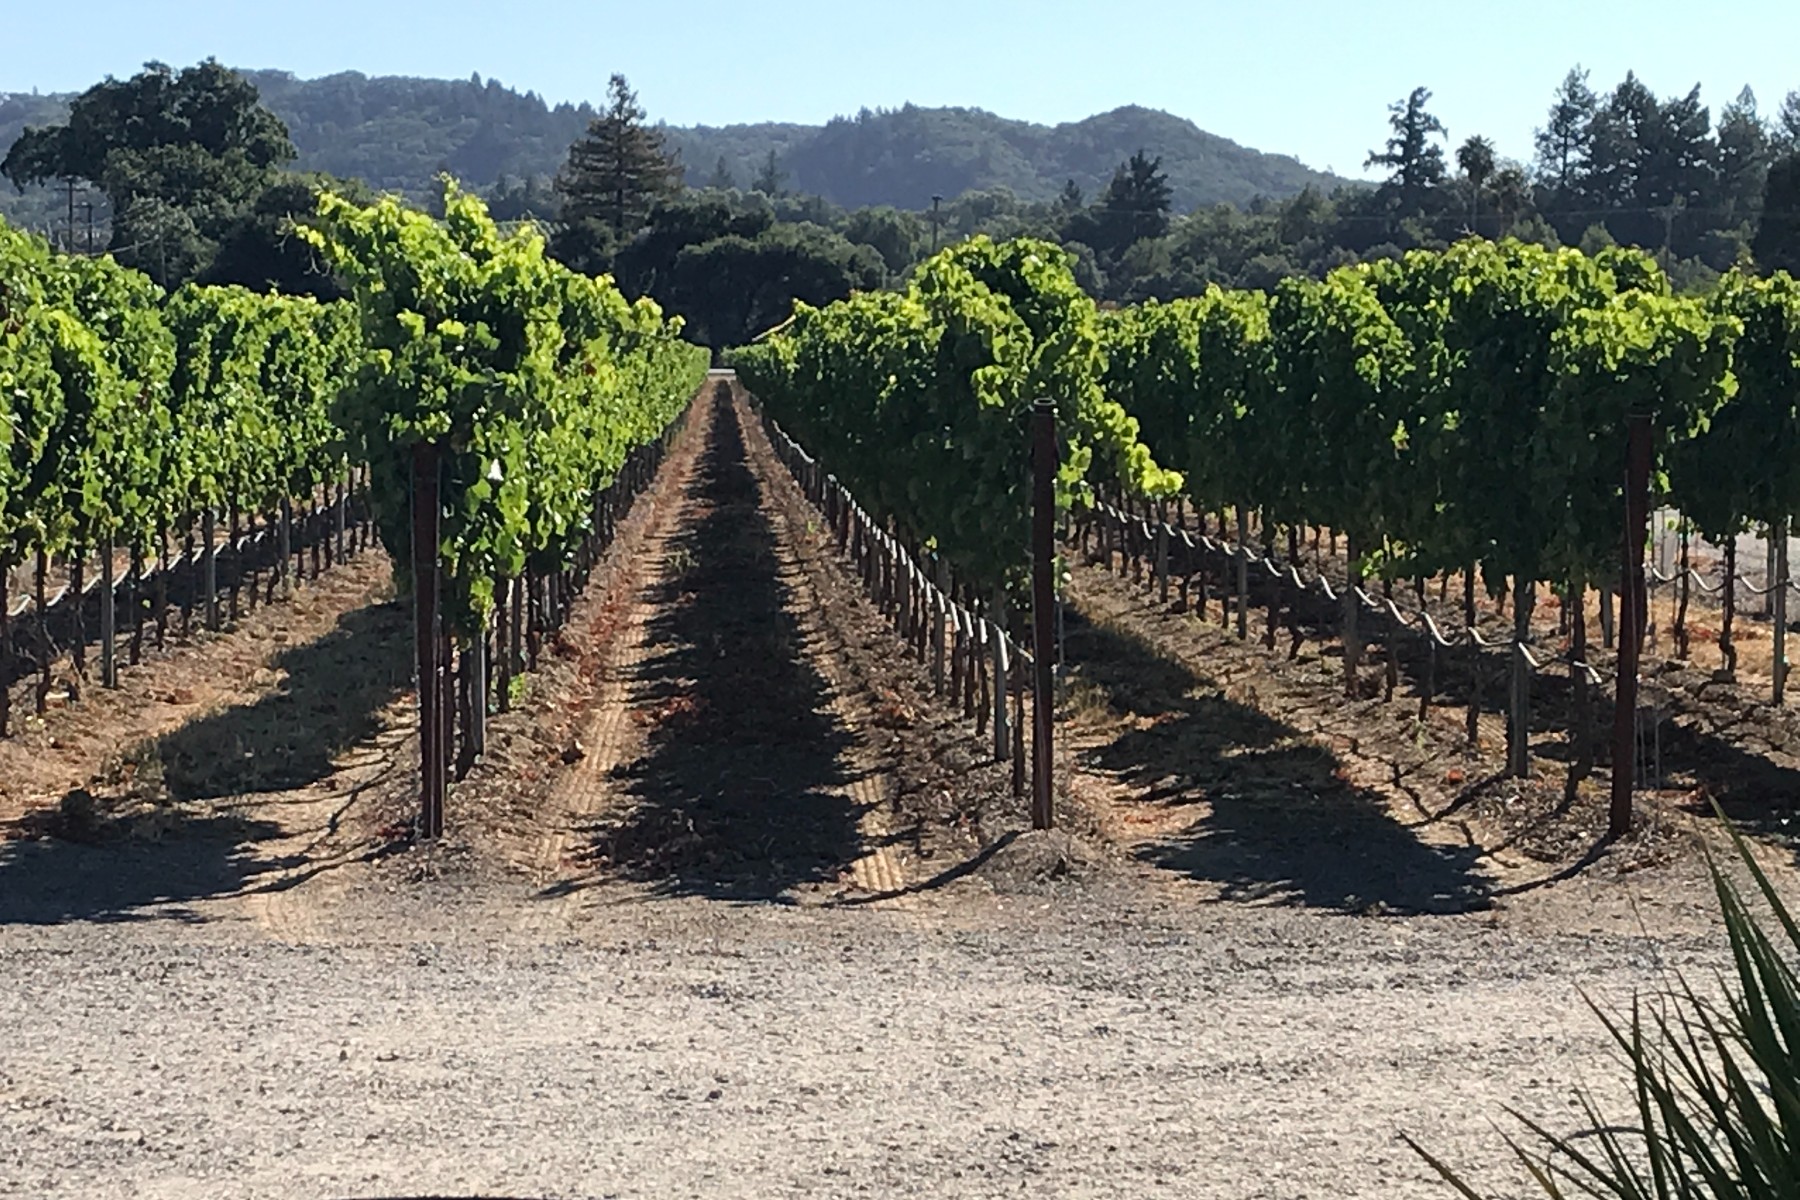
<point x="1453" y="407"/>
<point x="1744" y="466"/>
<point x="1134" y="207"/>
<point x="1416" y="161"/>
<point x="919" y="400"/>
<point x="726" y="263"/>
<point x="128" y="413"/>
<point x="532" y="381"/>
<point x="180" y="156"/>
<point x="619" y="170"/>
<point x="1778" y="237"/>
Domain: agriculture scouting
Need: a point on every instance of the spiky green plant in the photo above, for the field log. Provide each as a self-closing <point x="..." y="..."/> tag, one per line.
<point x="1716" y="1084"/>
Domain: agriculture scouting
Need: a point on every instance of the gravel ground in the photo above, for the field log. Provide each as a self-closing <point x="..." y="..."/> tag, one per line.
<point x="1077" y="1041"/>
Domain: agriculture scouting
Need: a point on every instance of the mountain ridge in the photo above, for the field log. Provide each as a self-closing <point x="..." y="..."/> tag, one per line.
<point x="397" y="132"/>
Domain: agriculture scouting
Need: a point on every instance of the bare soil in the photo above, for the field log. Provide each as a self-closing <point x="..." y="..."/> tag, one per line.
<point x="737" y="907"/>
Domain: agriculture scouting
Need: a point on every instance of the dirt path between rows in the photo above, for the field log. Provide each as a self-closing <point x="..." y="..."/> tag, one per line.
<point x="750" y="737"/>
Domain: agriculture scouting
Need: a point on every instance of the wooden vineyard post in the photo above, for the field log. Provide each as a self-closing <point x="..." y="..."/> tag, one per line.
<point x="134" y="595"/>
<point x="502" y="624"/>
<point x="1351" y="605"/>
<point x="478" y="692"/>
<point x="5" y="646"/>
<point x="235" y="541"/>
<point x="1043" y="611"/>
<point x="1778" y="598"/>
<point x="1581" y="763"/>
<point x="1769" y="570"/>
<point x="286" y="545"/>
<point x="1681" y="612"/>
<point x="425" y="635"/>
<point x="1631" y="623"/>
<point x="515" y="660"/>
<point x="209" y="566"/>
<point x="1002" y="738"/>
<point x="109" y="665"/>
<point x="77" y="596"/>
<point x="1518" y="736"/>
<point x="1018" y="726"/>
<point x="43" y="633"/>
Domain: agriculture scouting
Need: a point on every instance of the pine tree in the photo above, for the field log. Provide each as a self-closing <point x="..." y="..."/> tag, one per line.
<point x="1787" y="122"/>
<point x="722" y="178"/>
<point x="1744" y="154"/>
<point x="1417" y="163"/>
<point x="1562" y="145"/>
<point x="1137" y="200"/>
<point x="1777" y="245"/>
<point x="620" y="170"/>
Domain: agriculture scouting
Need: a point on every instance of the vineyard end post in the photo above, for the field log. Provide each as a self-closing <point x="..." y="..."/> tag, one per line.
<point x="1631" y="623"/>
<point x="1778" y="594"/>
<point x="425" y="637"/>
<point x="1043" y="610"/>
<point x="109" y="667"/>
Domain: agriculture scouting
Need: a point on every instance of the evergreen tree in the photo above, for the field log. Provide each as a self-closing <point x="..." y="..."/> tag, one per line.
<point x="1609" y="171"/>
<point x="1417" y="163"/>
<point x="722" y="178"/>
<point x="1777" y="245"/>
<point x="1135" y="206"/>
<point x="1787" y="122"/>
<point x="1678" y="159"/>
<point x="1744" y="155"/>
<point x="618" y="172"/>
<point x="1563" y="143"/>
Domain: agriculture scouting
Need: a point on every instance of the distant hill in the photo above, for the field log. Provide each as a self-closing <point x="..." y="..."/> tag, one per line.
<point x="398" y="132"/>
<point x="904" y="156"/>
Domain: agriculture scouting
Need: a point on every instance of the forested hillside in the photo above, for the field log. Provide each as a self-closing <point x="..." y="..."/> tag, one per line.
<point x="397" y="133"/>
<point x="905" y="156"/>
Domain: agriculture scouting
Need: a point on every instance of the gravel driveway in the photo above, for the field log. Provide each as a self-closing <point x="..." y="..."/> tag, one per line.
<point x="461" y="1038"/>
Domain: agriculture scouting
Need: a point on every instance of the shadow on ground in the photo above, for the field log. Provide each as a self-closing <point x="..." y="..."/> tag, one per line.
<point x="331" y="699"/>
<point x="177" y="831"/>
<point x="741" y="793"/>
<point x="1718" y="740"/>
<point x="1279" y="824"/>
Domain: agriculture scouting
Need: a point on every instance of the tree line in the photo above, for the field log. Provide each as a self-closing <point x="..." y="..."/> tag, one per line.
<point x="195" y="174"/>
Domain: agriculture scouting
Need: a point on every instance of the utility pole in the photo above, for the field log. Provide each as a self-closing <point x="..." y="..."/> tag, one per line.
<point x="69" y="245"/>
<point x="88" y="206"/>
<point x="936" y="222"/>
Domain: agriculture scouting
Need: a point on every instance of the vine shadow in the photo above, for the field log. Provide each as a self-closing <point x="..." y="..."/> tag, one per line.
<point x="1281" y="824"/>
<point x="157" y="865"/>
<point x="742" y="793"/>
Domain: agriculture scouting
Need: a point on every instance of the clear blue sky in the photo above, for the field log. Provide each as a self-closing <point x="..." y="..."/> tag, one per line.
<point x="1303" y="77"/>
